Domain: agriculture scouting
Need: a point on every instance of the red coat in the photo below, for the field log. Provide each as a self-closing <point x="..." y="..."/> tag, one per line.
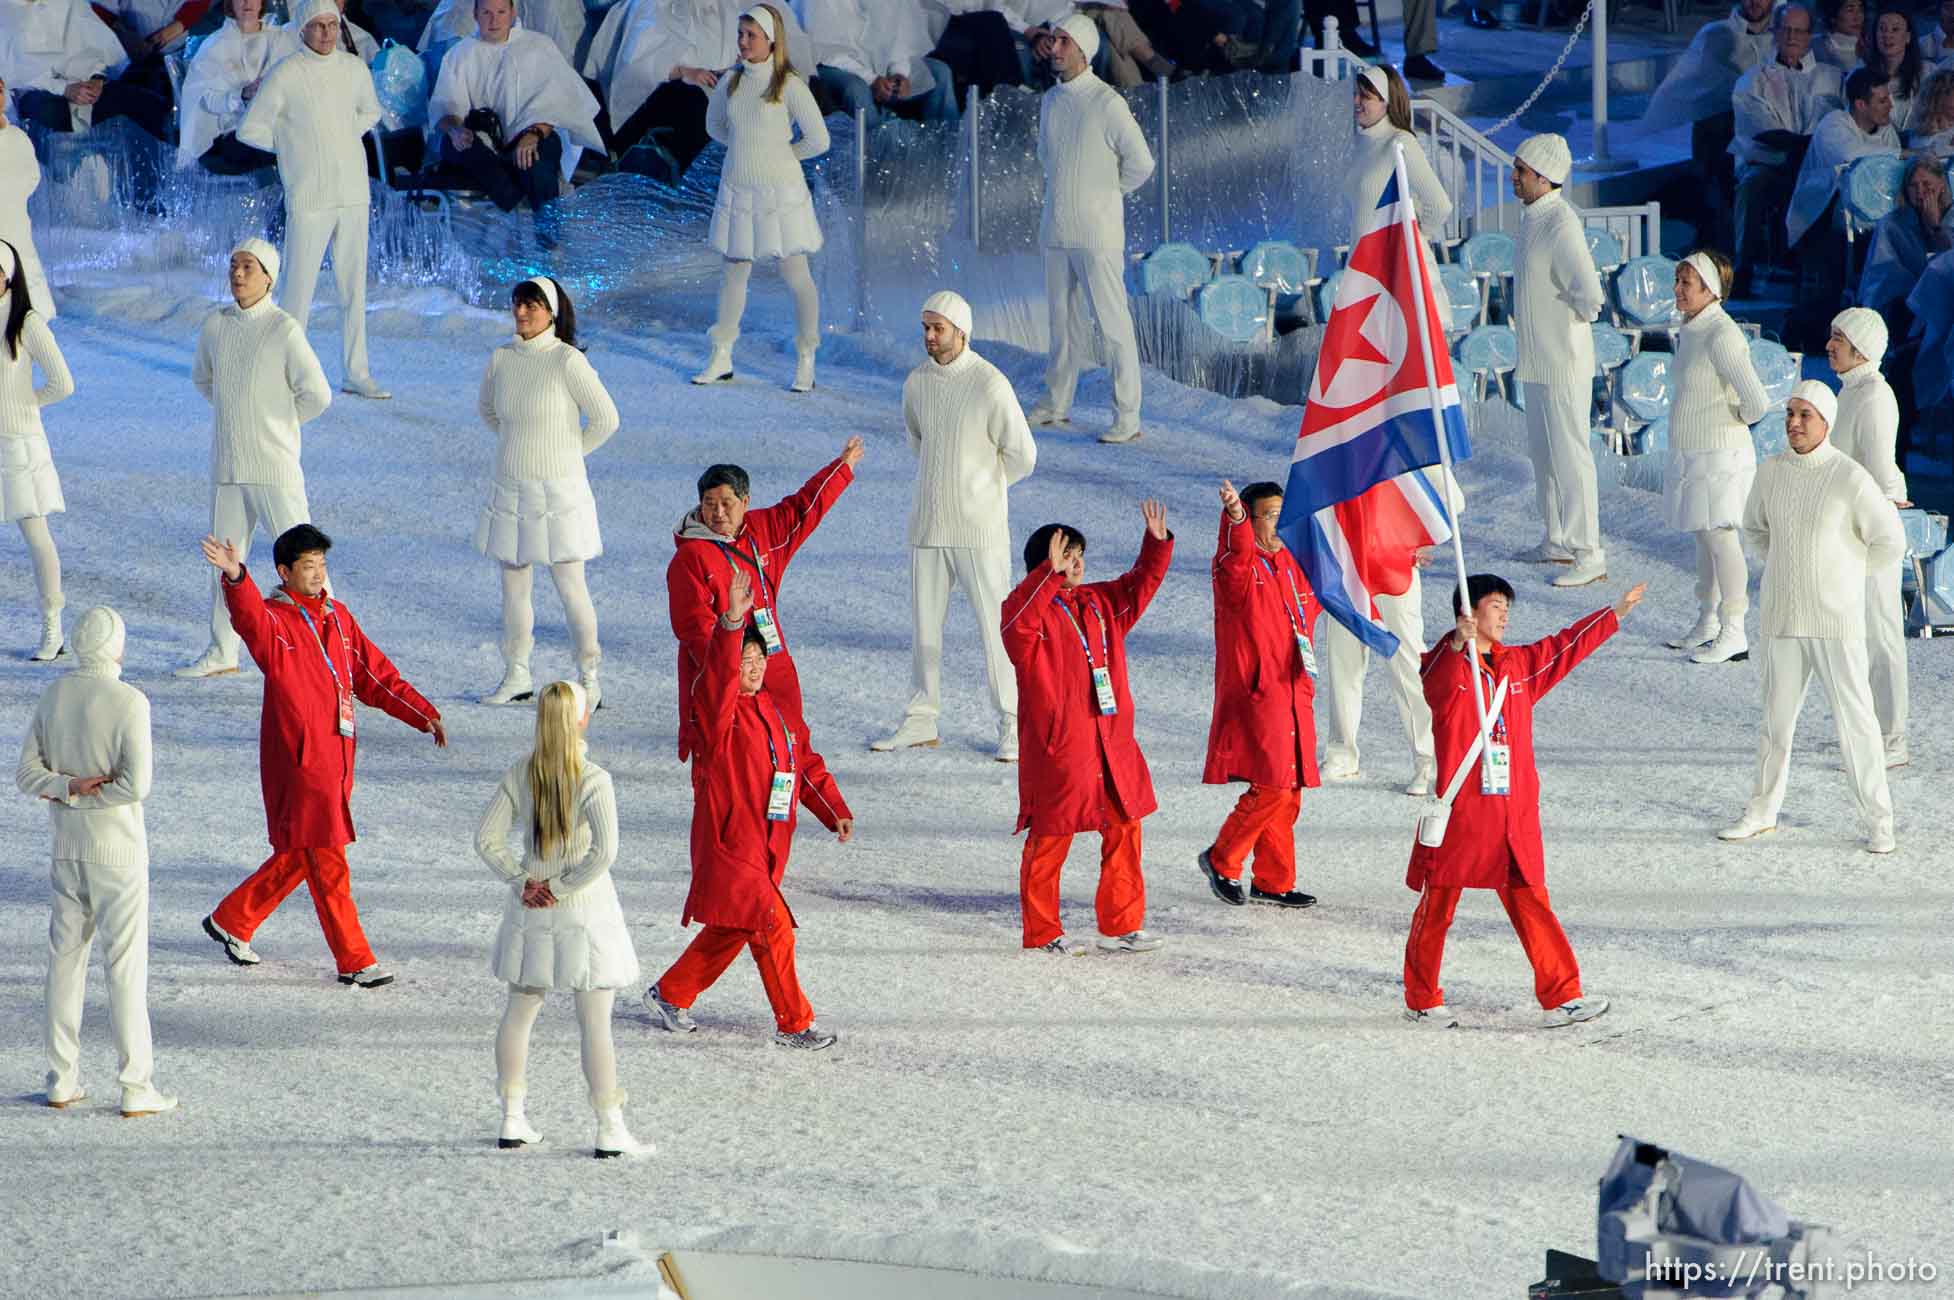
<point x="1067" y="747"/>
<point x="304" y="765"/>
<point x="1492" y="836"/>
<point x="700" y="577"/>
<point x="1264" y="727"/>
<point x="738" y="855"/>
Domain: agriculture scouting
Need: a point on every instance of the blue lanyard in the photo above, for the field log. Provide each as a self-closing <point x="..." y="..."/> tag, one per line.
<point x="1295" y="619"/>
<point x="766" y="598"/>
<point x="320" y="640"/>
<point x="1105" y="648"/>
<point x="773" y="755"/>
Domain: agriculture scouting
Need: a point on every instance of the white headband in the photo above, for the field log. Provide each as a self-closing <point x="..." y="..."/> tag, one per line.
<point x="763" y="20"/>
<point x="548" y="287"/>
<point x="1706" y="271"/>
<point x="1373" y="76"/>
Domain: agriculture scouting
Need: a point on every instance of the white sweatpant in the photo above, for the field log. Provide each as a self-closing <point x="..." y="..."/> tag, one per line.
<point x="985" y="576"/>
<point x="733" y="280"/>
<point x="1886" y="653"/>
<point x="1790" y="663"/>
<point x="307" y="236"/>
<point x="1559" y="445"/>
<point x="1722" y="575"/>
<point x="519" y="613"/>
<point x="47" y="561"/>
<point x="594" y="1027"/>
<point x="1083" y="287"/>
<point x="115" y="900"/>
<point x="1348" y="659"/>
<point x="236" y="510"/>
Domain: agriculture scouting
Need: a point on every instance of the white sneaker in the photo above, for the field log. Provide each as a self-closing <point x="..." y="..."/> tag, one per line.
<point x="1132" y="941"/>
<point x="1749" y="828"/>
<point x="1896" y="752"/>
<point x="52" y="642"/>
<point x="1007" y="741"/>
<point x="803" y="373"/>
<point x="1118" y="435"/>
<point x="587" y="678"/>
<point x="914" y="733"/>
<point x="812" y="1039"/>
<point x="145" y="1101"/>
<point x="718" y="368"/>
<point x="369" y="977"/>
<point x="1881" y="840"/>
<point x="1041" y="415"/>
<point x="1729" y="647"/>
<point x="1573" y="1013"/>
<point x="673" y="1019"/>
<point x="365" y="387"/>
<point x="614" y="1139"/>
<point x="1340" y="772"/>
<point x="62" y="1098"/>
<point x="1421" y="782"/>
<point x="1438" y="1017"/>
<point x="211" y="663"/>
<point x="235" y="948"/>
<point x="1702" y="634"/>
<point x="516" y="685"/>
<point x="1064" y="946"/>
<point x="1583" y="573"/>
<point x="1546" y="553"/>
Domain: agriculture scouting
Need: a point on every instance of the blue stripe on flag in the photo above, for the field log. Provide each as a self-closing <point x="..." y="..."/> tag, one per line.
<point x="1397" y="445"/>
<point x="1318" y="560"/>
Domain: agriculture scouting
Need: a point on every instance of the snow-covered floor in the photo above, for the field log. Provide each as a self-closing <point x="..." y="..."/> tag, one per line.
<point x="1239" y="1114"/>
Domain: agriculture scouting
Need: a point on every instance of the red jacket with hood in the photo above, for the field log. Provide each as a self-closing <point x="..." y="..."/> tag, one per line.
<point x="1264" y="727"/>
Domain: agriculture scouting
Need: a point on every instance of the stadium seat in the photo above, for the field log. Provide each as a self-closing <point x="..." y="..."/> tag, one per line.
<point x="1870" y="187"/>
<point x="1175" y="269"/>
<point x="1464" y="293"/>
<point x="1489" y="256"/>
<point x="1644" y="386"/>
<point x="1776" y="369"/>
<point x="1326" y="294"/>
<point x="1236" y="308"/>
<point x="1646" y="289"/>
<point x="1280" y="265"/>
<point x="1490" y="351"/>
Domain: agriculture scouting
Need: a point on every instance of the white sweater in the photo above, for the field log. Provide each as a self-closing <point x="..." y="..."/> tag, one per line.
<point x="971" y="442"/>
<point x="88" y="723"/>
<point x="1372" y="163"/>
<point x="311" y="111"/>
<point x="1821" y="525"/>
<point x="1557" y="294"/>
<point x="1868" y="428"/>
<point x="20" y="176"/>
<point x="761" y="150"/>
<point x="593" y="838"/>
<point x="20" y="401"/>
<point x="1714" y="394"/>
<point x="263" y="381"/>
<point x="533" y="395"/>
<point x="1093" y="153"/>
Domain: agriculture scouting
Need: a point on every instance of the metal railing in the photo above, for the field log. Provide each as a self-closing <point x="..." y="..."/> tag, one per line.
<point x="1471" y="166"/>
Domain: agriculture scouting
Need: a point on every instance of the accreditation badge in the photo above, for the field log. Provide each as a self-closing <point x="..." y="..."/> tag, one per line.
<point x="780" y="797"/>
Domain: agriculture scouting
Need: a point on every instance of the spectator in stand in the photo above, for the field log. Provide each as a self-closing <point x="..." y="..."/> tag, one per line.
<point x="1698" y="90"/>
<point x="56" y="55"/>
<point x="1861" y="128"/>
<point x="1920" y="228"/>
<point x="1198" y="35"/>
<point x="562" y="21"/>
<point x="20" y="176"/>
<point x="1887" y="48"/>
<point x="1845" y="22"/>
<point x="1937" y="46"/>
<point x="871" y="56"/>
<point x="1778" y="105"/>
<point x="655" y="63"/>
<point x="1126" y="51"/>
<point x="222" y="80"/>
<point x="353" y="38"/>
<point x="148" y="30"/>
<point x="1933" y="116"/>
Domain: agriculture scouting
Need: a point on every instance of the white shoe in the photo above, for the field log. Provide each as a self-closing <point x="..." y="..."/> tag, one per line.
<point x="1119" y="435"/>
<point x="719" y="366"/>
<point x="1896" y="752"/>
<point x="1007" y="741"/>
<point x="613" y="1138"/>
<point x="365" y="387"/>
<point x="235" y="948"/>
<point x="1749" y="828"/>
<point x="1340" y="772"/>
<point x="1705" y="631"/>
<point x="671" y="1018"/>
<point x="375" y="976"/>
<point x="1573" y="1013"/>
<point x="812" y="1039"/>
<point x="145" y="1101"/>
<point x="1438" y="1017"/>
<point x="1881" y="840"/>
<point x="803" y="372"/>
<point x="914" y="733"/>
<point x="1583" y="573"/>
<point x="62" y="1098"/>
<point x="587" y="678"/>
<point x="516" y="685"/>
<point x="1064" y="946"/>
<point x="211" y="663"/>
<point x="1421" y="782"/>
<point x="1132" y="941"/>
<point x="1546" y="553"/>
<point x="1729" y="647"/>
<point x="1042" y="415"/>
<point x="52" y="642"/>
<point x="516" y="1129"/>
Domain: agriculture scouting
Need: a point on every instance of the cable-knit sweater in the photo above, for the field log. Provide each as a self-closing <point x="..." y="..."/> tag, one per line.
<point x="311" y="110"/>
<point x="87" y="724"/>
<point x="1557" y="294"/>
<point x="20" y="401"/>
<point x="1093" y="153"/>
<point x="592" y="846"/>
<point x="1714" y="394"/>
<point x="1868" y="428"/>
<point x="536" y="395"/>
<point x="1821" y="525"/>
<point x="971" y="443"/>
<point x="263" y="381"/>
<point x="759" y="137"/>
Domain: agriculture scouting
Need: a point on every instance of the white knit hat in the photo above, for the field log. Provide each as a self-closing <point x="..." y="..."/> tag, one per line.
<point x="311" y="11"/>
<point x="98" y="638"/>
<point x="951" y="307"/>
<point x="1819" y="396"/>
<point x="1084" y="33"/>
<point x="267" y="255"/>
<point x="1547" y="154"/>
<point x="1864" y="329"/>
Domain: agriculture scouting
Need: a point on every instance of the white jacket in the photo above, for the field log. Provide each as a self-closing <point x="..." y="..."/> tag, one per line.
<point x="262" y="380"/>
<point x="533" y="395"/>
<point x="46" y="44"/>
<point x="1837" y="140"/>
<point x="88" y="723"/>
<point x="1093" y="154"/>
<point x="212" y="101"/>
<point x="971" y="443"/>
<point x="871" y="38"/>
<point x="311" y="111"/>
<point x="1700" y="83"/>
<point x="1837" y="49"/>
<point x="1772" y="97"/>
<point x="20" y="401"/>
<point x="1714" y="393"/>
<point x="525" y="80"/>
<point x="1867" y="428"/>
<point x="641" y="43"/>
<point x="1821" y="525"/>
<point x="20" y="176"/>
<point x="1557" y="293"/>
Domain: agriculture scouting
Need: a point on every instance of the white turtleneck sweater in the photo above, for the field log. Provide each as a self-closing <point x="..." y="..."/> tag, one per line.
<point x="761" y="150"/>
<point x="263" y="381"/>
<point x="1557" y="294"/>
<point x="971" y="443"/>
<point x="533" y="395"/>
<point x="1093" y="154"/>
<point x="90" y="723"/>
<point x="1868" y="428"/>
<point x="20" y="401"/>
<point x="311" y="110"/>
<point x="579" y="863"/>
<point x="1714" y="394"/>
<point x="1821" y="525"/>
<point x="1371" y="165"/>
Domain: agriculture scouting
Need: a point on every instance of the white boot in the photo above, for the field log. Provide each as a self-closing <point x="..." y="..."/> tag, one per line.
<point x="1705" y="631"/>
<point x="52" y="641"/>
<point x="1729" y="645"/>
<point x="516" y="685"/>
<point x="803" y="371"/>
<point x="914" y="733"/>
<point x="516" y="1131"/>
<point x="1007" y="740"/>
<point x="587" y="678"/>
<point x="613" y="1138"/>
<point x="719" y="366"/>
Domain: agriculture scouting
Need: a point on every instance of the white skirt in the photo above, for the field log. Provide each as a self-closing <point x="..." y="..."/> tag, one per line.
<point x="1708" y="489"/>
<point x="755" y="222"/>
<point x="539" y="521"/>
<point x="580" y="944"/>
<point x="28" y="484"/>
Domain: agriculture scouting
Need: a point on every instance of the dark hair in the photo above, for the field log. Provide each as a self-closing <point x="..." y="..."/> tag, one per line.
<point x="1908" y="73"/>
<point x="1829" y="11"/>
<point x="753" y="637"/>
<point x="726" y="476"/>
<point x="17" y="303"/>
<point x="1038" y="547"/>
<point x="565" y="311"/>
<point x="1481" y="585"/>
<point x="299" y="539"/>
<point x="1861" y="83"/>
<point x="1257" y="492"/>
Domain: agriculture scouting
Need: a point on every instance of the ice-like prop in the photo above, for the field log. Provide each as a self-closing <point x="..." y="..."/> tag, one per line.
<point x="1490" y="252"/>
<point x="1461" y="296"/>
<point x="1235" y="307"/>
<point x="1767" y="435"/>
<point x="1177" y="269"/>
<point x="1646" y="290"/>
<point x="1872" y="186"/>
<point x="1645" y="386"/>
<point x="1611" y="347"/>
<point x="1775" y="368"/>
<point x="1604" y="247"/>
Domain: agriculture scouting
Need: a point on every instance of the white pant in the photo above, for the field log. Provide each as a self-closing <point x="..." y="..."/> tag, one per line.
<point x="733" y="280"/>
<point x="1348" y="659"/>
<point x="115" y="900"/>
<point x="1563" y="464"/>
<point x="1886" y="653"/>
<point x="1083" y="287"/>
<point x="1790" y="663"/>
<point x="519" y="612"/>
<point x="307" y="236"/>
<point x="236" y="510"/>
<point x="1722" y="576"/>
<point x="593" y="1025"/>
<point x="985" y="576"/>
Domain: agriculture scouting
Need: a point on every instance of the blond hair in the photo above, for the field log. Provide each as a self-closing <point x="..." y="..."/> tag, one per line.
<point x="555" y="770"/>
<point x="782" y="69"/>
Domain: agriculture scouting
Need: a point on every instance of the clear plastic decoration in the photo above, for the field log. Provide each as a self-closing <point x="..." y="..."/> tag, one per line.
<point x="1461" y="296"/>
<point x="1278" y="264"/>
<point x="1611" y="347"/>
<point x="1604" y="247"/>
<point x="1235" y="307"/>
<point x="1775" y="368"/>
<point x="1645" y="472"/>
<point x="1767" y="435"/>
<point x="1644" y="386"/>
<point x="1926" y="531"/>
<point x="1490" y="252"/>
<point x="1940" y="584"/>
<point x="400" y="81"/>
<point x="1490" y="350"/>
<point x="1326" y="294"/>
<point x="1646" y="290"/>
<point x="1177" y="269"/>
<point x="1871" y="186"/>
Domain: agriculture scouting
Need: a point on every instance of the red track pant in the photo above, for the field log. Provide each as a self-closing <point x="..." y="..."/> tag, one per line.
<point x="1121" y="902"/>
<point x="706" y="958"/>
<point x="1556" y="975"/>
<point x="324" y="873"/>
<point x="1264" y="820"/>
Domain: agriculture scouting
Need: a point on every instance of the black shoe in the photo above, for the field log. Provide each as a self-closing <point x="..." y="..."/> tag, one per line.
<point x="1419" y="67"/>
<point x="1481" y="19"/>
<point x="1294" y="898"/>
<point x="1360" y="47"/>
<point x="1228" y="891"/>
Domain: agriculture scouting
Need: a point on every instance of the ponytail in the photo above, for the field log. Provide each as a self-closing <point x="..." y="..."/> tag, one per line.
<point x="555" y="770"/>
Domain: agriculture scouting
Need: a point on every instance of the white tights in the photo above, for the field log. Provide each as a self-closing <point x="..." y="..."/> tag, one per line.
<point x="1722" y="580"/>
<point x="593" y="1023"/>
<point x="800" y="283"/>
<point x="47" y="561"/>
<point x="519" y="614"/>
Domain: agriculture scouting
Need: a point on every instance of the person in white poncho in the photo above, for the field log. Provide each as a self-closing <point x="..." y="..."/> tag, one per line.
<point x="65" y="68"/>
<point x="223" y="78"/>
<point x="20" y="176"/>
<point x="763" y="210"/>
<point x="562" y="927"/>
<point x="548" y="410"/>
<point x="1697" y="91"/>
<point x="1863" y="127"/>
<point x="658" y="61"/>
<point x="872" y="58"/>
<point x="562" y="21"/>
<point x="1778" y="104"/>
<point x="30" y="490"/>
<point x="1887" y="48"/>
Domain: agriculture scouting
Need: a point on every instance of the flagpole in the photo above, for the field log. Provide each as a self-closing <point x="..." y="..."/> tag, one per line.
<point x="1413" y="248"/>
